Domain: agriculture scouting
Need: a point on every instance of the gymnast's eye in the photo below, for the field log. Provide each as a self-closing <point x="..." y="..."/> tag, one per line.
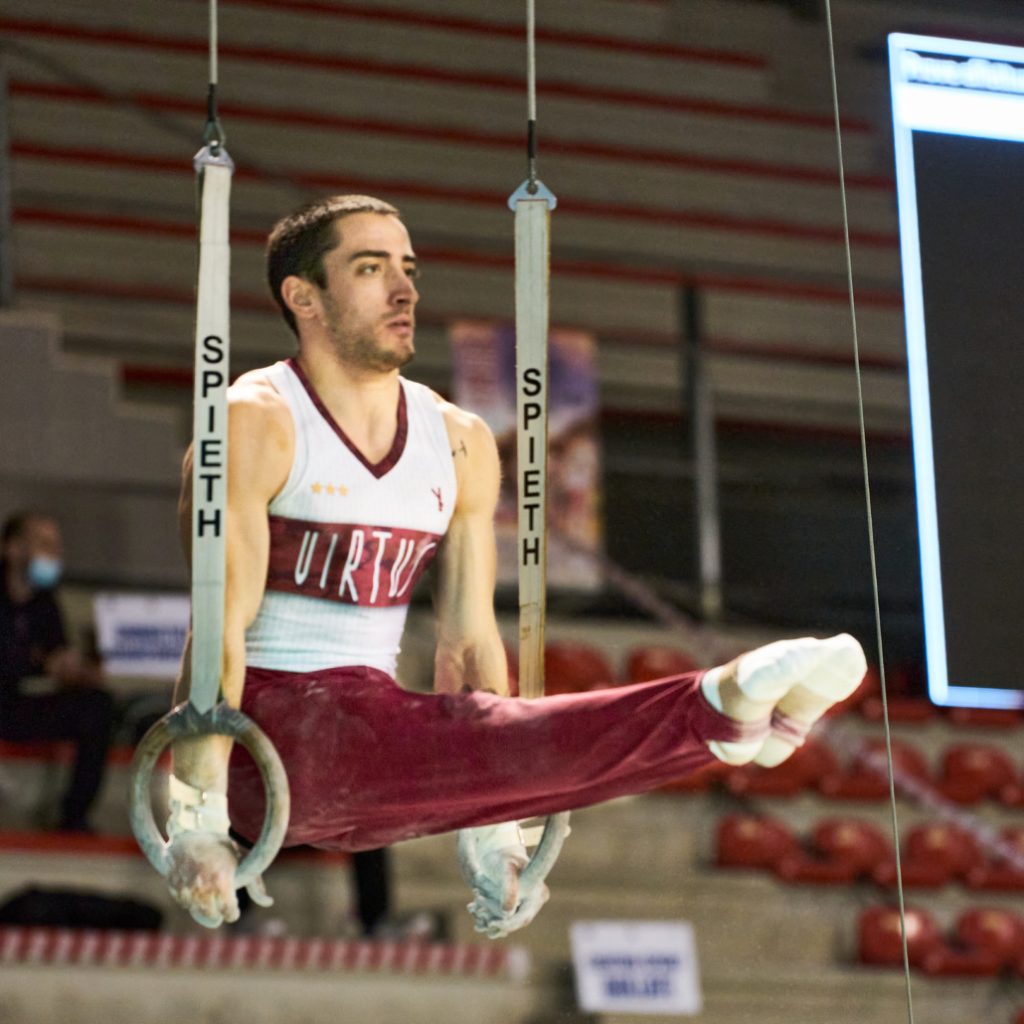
<point x="413" y="273"/>
<point x="367" y="269"/>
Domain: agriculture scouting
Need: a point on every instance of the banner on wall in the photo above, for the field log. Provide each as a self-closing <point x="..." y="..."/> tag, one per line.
<point x="141" y="634"/>
<point x="484" y="367"/>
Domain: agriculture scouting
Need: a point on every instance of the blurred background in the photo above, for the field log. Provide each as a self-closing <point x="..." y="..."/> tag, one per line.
<point x="708" y="491"/>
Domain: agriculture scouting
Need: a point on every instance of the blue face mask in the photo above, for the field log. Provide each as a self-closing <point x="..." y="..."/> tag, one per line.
<point x="44" y="572"/>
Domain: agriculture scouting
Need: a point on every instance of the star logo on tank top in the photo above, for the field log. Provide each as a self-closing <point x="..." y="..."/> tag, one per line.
<point x="436" y="492"/>
<point x="330" y="489"/>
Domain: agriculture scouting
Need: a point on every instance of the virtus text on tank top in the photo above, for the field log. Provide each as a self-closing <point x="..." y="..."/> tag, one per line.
<point x="351" y="563"/>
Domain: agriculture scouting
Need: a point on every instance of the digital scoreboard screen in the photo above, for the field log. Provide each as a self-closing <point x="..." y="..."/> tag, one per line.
<point x="958" y="117"/>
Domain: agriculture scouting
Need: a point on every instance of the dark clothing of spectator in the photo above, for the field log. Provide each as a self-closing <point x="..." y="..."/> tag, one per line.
<point x="29" y="633"/>
<point x="372" y="876"/>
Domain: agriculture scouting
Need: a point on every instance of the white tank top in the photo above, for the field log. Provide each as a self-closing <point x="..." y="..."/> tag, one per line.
<point x="348" y="539"/>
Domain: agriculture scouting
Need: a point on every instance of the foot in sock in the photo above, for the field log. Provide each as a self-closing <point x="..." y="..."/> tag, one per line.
<point x="836" y="675"/>
<point x="758" y="685"/>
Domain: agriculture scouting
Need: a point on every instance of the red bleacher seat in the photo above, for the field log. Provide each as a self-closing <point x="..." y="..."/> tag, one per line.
<point x="749" y="841"/>
<point x="879" y="940"/>
<point x="859" y="843"/>
<point x="983" y="943"/>
<point x="574" y="667"/>
<point x="843" y="850"/>
<point x="867" y="776"/>
<point x="998" y="931"/>
<point x="879" y="943"/>
<point x="934" y="854"/>
<point x="657" y="662"/>
<point x="955" y="962"/>
<point x="799" y="772"/>
<point x="997" y="872"/>
<point x="944" y="842"/>
<point x="973" y="771"/>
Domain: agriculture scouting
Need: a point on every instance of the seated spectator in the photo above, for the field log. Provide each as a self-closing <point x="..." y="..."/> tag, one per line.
<point x="33" y="643"/>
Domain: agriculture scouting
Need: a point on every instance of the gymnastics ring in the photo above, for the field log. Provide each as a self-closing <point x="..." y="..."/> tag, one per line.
<point x="556" y="829"/>
<point x="185" y="721"/>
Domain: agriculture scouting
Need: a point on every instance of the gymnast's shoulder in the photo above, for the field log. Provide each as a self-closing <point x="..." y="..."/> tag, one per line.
<point x="475" y="457"/>
<point x="467" y="432"/>
<point x="257" y="412"/>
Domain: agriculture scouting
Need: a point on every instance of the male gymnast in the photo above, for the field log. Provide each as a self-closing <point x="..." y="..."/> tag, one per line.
<point x="345" y="481"/>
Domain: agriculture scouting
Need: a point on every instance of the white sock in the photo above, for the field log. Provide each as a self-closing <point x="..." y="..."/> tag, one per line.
<point x="770" y="672"/>
<point x="731" y="752"/>
<point x="836" y="674"/>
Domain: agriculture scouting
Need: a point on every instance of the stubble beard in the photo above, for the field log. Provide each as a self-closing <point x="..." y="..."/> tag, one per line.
<point x="361" y="350"/>
<point x="364" y="352"/>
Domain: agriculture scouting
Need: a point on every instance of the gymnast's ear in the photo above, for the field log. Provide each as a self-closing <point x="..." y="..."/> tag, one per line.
<point x="301" y="297"/>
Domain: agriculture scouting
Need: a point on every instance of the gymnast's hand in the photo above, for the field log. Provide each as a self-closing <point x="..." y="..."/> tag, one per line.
<point x="202" y="858"/>
<point x="201" y="876"/>
<point x="497" y="917"/>
<point x="501" y="903"/>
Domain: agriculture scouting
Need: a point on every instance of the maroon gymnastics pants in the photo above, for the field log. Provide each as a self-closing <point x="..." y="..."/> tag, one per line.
<point x="370" y="764"/>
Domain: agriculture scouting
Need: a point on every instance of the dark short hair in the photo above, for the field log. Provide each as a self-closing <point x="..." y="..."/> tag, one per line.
<point x="16" y="524"/>
<point x="298" y="243"/>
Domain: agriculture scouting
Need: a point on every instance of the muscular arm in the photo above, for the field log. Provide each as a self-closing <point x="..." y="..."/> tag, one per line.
<point x="260" y="447"/>
<point x="470" y="654"/>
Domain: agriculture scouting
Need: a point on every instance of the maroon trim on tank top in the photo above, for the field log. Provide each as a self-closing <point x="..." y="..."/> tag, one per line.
<point x="390" y="460"/>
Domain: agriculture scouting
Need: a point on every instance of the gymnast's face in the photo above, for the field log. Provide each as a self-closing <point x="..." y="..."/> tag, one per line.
<point x="369" y="305"/>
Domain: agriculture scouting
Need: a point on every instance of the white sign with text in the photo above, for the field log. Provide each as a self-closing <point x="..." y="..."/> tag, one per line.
<point x="141" y="634"/>
<point x="636" y="967"/>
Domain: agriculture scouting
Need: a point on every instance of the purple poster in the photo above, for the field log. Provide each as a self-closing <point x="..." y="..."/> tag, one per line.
<point x="483" y="359"/>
